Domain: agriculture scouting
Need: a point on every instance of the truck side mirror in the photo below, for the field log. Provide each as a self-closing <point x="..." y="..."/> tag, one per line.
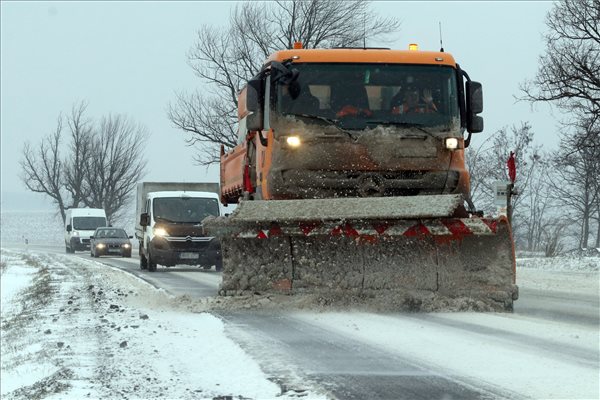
<point x="69" y="229"/>
<point x="144" y="219"/>
<point x="130" y="237"/>
<point x="254" y="101"/>
<point x="474" y="106"/>
<point x="474" y="97"/>
<point x="475" y="124"/>
<point x="91" y="237"/>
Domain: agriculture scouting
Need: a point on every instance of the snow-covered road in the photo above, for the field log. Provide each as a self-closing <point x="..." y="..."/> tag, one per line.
<point x="73" y="327"/>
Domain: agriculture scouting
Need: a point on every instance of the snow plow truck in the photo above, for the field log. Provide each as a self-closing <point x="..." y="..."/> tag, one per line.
<point x="350" y="180"/>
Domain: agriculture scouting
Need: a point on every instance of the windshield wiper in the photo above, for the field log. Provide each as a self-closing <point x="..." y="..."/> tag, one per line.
<point x="419" y="127"/>
<point x="333" y="122"/>
<point x="156" y="217"/>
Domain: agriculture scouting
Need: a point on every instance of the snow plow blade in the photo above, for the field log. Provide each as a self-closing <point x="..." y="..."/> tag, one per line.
<point x="406" y="253"/>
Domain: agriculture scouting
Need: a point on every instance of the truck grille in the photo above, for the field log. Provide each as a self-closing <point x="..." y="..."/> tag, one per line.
<point x="182" y="243"/>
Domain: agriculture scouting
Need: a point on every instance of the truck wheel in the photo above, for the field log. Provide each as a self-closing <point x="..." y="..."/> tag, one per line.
<point x="219" y="265"/>
<point x="143" y="262"/>
<point x="151" y="264"/>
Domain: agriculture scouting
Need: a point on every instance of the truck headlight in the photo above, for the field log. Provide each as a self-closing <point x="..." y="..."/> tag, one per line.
<point x="451" y="143"/>
<point x="75" y="233"/>
<point x="160" y="232"/>
<point x="293" y="141"/>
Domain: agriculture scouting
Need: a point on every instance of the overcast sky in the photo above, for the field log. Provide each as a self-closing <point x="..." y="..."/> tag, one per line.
<point x="130" y="58"/>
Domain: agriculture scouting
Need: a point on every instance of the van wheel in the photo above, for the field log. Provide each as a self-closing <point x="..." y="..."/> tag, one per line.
<point x="151" y="264"/>
<point x="69" y="250"/>
<point x="143" y="262"/>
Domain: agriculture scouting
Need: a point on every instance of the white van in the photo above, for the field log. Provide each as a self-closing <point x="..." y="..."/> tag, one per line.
<point x="169" y="224"/>
<point x="80" y="224"/>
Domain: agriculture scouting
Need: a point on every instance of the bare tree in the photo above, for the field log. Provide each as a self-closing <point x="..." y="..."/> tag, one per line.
<point x="115" y="164"/>
<point x="532" y="207"/>
<point x="487" y="163"/>
<point x="226" y="58"/>
<point x="576" y="186"/>
<point x="99" y="167"/>
<point x="79" y="153"/>
<point x="569" y="72"/>
<point x="42" y="170"/>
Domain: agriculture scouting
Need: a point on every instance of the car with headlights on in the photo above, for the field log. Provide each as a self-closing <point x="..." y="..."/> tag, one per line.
<point x="109" y="241"/>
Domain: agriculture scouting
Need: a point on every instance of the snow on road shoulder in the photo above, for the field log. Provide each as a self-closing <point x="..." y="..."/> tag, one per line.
<point x="566" y="274"/>
<point x="21" y="276"/>
<point x="90" y="331"/>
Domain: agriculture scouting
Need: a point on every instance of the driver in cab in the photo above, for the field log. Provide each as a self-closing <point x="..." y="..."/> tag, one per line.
<point x="413" y="100"/>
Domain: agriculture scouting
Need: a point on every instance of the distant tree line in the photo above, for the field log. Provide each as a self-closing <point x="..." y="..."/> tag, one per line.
<point x="86" y="163"/>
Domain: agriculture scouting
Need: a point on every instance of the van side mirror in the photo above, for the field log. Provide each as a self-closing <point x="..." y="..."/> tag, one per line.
<point x="144" y="219"/>
<point x="69" y="228"/>
<point x="91" y="237"/>
<point x="254" y="104"/>
<point x="474" y="106"/>
<point x="130" y="237"/>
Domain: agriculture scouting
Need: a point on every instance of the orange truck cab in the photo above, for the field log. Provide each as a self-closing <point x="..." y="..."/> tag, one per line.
<point x="327" y="123"/>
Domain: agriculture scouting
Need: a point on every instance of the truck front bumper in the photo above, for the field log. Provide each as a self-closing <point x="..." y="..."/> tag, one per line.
<point x="175" y="251"/>
<point x="79" y="244"/>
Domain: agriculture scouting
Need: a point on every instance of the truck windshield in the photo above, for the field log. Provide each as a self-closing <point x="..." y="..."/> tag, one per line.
<point x="88" y="223"/>
<point x="367" y="94"/>
<point x="184" y="209"/>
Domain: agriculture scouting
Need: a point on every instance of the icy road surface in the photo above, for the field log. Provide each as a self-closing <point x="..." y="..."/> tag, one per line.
<point x="74" y="327"/>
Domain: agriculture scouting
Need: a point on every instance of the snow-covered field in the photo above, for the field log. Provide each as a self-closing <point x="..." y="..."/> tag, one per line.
<point x="41" y="227"/>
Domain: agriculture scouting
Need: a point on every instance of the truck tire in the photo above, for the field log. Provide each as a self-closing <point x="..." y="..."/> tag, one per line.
<point x="151" y="264"/>
<point x="143" y="261"/>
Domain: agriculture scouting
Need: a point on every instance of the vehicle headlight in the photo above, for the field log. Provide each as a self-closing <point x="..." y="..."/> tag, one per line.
<point x="293" y="141"/>
<point x="160" y="232"/>
<point x="451" y="143"/>
<point x="126" y="245"/>
<point x="100" y="246"/>
<point x="75" y="233"/>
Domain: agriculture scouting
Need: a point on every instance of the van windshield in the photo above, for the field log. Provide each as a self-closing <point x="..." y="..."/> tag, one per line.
<point x="88" y="223"/>
<point x="184" y="209"/>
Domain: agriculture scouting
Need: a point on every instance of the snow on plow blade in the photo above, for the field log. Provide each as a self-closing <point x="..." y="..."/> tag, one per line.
<point x="405" y="253"/>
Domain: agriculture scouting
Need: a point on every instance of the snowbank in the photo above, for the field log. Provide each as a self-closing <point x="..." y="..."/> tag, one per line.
<point x="77" y="329"/>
